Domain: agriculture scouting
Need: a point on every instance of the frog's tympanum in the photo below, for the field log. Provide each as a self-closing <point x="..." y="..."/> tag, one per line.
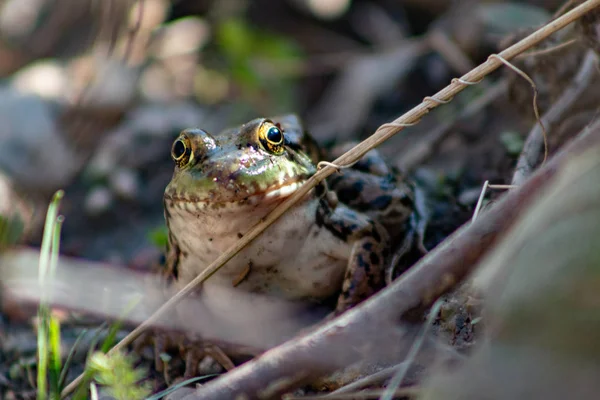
<point x="338" y="241"/>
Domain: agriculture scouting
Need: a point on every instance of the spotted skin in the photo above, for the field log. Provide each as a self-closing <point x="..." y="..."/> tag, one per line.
<point x="336" y="242"/>
<point x="379" y="191"/>
<point x="382" y="198"/>
<point x="369" y="255"/>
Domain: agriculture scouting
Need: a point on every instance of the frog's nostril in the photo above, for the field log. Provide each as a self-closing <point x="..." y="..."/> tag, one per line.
<point x="201" y="139"/>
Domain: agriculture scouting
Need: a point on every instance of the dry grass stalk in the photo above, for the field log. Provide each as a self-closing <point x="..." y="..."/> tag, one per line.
<point x="536" y="139"/>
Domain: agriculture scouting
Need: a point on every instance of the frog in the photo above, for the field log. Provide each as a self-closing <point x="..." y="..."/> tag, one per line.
<point x="338" y="243"/>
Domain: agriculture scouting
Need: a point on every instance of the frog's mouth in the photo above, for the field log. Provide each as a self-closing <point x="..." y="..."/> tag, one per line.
<point x="270" y="195"/>
<point x="282" y="191"/>
<point x="226" y="198"/>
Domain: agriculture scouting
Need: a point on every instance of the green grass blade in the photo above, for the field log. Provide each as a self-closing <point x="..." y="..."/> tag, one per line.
<point x="110" y="339"/>
<point x="114" y="328"/>
<point x="55" y="245"/>
<point x="42" y="344"/>
<point x="55" y="362"/>
<point x="67" y="365"/>
<point x="51" y="235"/>
<point x="173" y="388"/>
<point x="47" y="239"/>
<point x="11" y="229"/>
<point x="54" y="323"/>
<point x="82" y="390"/>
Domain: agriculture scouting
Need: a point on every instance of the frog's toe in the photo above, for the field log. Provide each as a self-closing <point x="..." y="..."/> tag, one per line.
<point x="166" y="345"/>
<point x="196" y="351"/>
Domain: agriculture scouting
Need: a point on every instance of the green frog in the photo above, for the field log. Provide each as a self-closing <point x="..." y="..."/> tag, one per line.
<point x="338" y="242"/>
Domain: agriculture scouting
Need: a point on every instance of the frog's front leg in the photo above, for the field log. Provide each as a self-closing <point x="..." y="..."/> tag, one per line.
<point x="369" y="256"/>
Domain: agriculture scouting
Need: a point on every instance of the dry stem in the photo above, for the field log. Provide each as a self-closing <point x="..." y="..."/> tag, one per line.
<point x="536" y="138"/>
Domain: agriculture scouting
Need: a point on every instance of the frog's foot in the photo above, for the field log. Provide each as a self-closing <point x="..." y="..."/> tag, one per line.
<point x="192" y="352"/>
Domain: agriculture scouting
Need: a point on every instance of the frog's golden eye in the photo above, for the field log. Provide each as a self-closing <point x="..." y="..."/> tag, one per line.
<point x="271" y="137"/>
<point x="181" y="150"/>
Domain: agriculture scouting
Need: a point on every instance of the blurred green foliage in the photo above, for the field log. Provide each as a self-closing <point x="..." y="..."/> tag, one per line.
<point x="119" y="376"/>
<point x="512" y="142"/>
<point x="262" y="65"/>
<point x="159" y="237"/>
<point x="11" y="229"/>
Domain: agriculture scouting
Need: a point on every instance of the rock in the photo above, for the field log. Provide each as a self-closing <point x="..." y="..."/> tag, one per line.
<point x="47" y="79"/>
<point x="32" y="150"/>
<point x="98" y="200"/>
<point x="125" y="183"/>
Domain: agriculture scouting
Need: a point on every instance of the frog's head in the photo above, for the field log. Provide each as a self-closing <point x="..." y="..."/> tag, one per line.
<point x="261" y="161"/>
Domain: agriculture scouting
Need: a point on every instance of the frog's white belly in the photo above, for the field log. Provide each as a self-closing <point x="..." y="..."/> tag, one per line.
<point x="294" y="258"/>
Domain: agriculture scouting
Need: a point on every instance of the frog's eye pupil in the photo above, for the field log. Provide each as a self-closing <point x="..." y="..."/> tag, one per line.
<point x="274" y="135"/>
<point x="178" y="149"/>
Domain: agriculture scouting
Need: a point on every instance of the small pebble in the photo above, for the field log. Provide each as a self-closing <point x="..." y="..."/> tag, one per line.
<point x="98" y="200"/>
<point x="46" y="79"/>
<point x="209" y="366"/>
<point x="124" y="182"/>
<point x="102" y="164"/>
<point x="33" y="151"/>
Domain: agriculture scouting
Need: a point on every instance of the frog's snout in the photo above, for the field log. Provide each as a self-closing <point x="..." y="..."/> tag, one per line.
<point x="200" y="140"/>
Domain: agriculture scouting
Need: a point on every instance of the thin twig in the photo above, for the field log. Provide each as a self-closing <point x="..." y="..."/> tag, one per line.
<point x="420" y="152"/>
<point x="562" y="8"/>
<point x="536" y="110"/>
<point x="450" y="51"/>
<point x="486" y="186"/>
<point x="369" y="380"/>
<point x="411" y="391"/>
<point x="388" y="372"/>
<point x="535" y="140"/>
<point x="549" y="50"/>
<point x="381" y="135"/>
<point x="398" y="378"/>
<point x="480" y="201"/>
<point x="504" y="187"/>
